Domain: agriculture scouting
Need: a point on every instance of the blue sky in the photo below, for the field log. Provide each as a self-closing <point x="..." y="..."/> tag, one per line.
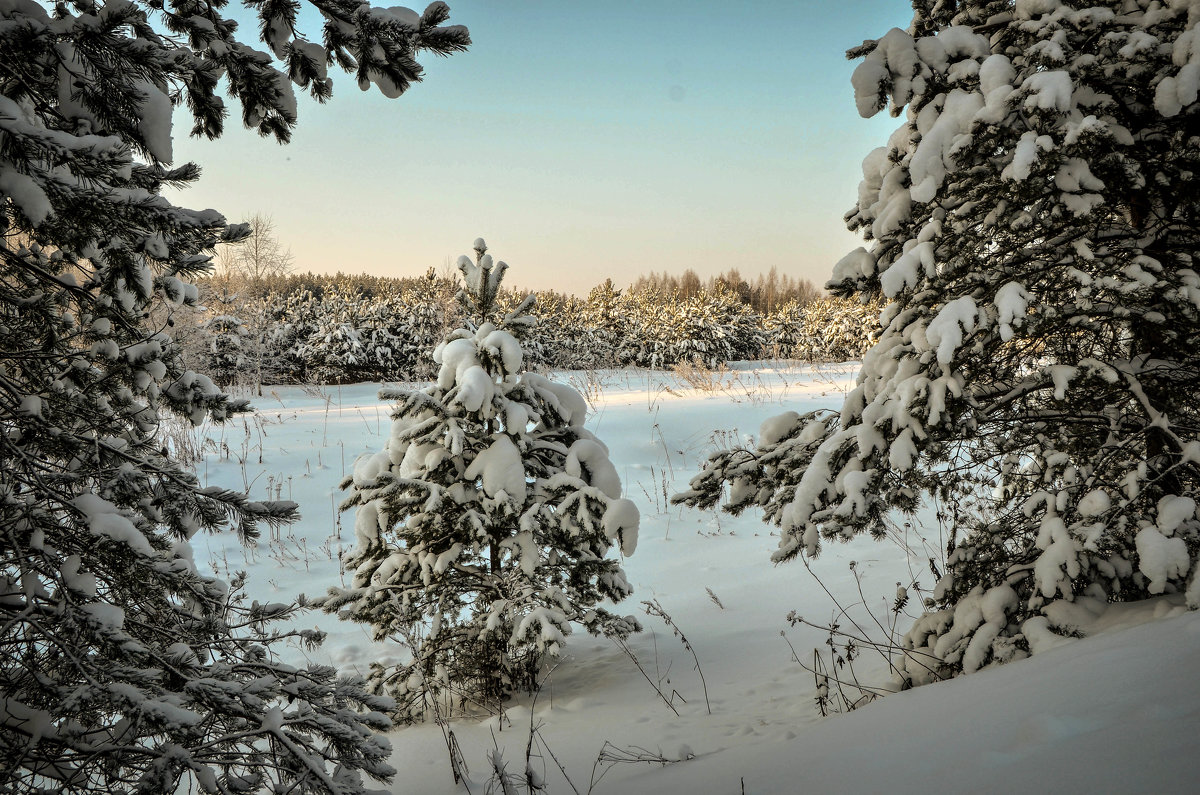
<point x="583" y="141"/>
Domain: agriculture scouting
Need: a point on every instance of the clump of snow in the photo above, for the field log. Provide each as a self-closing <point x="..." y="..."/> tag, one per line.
<point x="1161" y="558"/>
<point x="106" y="520"/>
<point x="500" y="471"/>
<point x="108" y="619"/>
<point x="475" y="388"/>
<point x="933" y="157"/>
<point x="1012" y="303"/>
<point x="1050" y="90"/>
<point x="504" y="345"/>
<point x="903" y="451"/>
<point x="945" y="332"/>
<point x="775" y="429"/>
<point x="369" y="467"/>
<point x="272" y="720"/>
<point x="154" y="122"/>
<point x="906" y="271"/>
<point x="1173" y="511"/>
<point x="1025" y="155"/>
<point x="857" y="264"/>
<point x="588" y="460"/>
<point x="893" y="60"/>
<point x="79" y="581"/>
<point x="1030" y="9"/>
<point x="367" y="525"/>
<point x="36" y="723"/>
<point x="25" y="194"/>
<point x="995" y="74"/>
<point x="1178" y="91"/>
<point x="563" y="397"/>
<point x="454" y="357"/>
<point x="30" y="406"/>
<point x="1059" y="562"/>
<point x="1094" y="503"/>
<point x="156" y="246"/>
<point x="1040" y="637"/>
<point x="621" y="521"/>
<point x="1061" y="376"/>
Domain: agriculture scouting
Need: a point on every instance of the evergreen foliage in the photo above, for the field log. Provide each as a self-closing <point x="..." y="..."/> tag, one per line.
<point x="483" y="527"/>
<point x="827" y="329"/>
<point x="1033" y="228"/>
<point x="226" y="334"/>
<point x="342" y="329"/>
<point x="122" y="668"/>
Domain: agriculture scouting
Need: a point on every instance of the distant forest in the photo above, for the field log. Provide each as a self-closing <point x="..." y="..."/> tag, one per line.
<point x="342" y="328"/>
<point x="764" y="293"/>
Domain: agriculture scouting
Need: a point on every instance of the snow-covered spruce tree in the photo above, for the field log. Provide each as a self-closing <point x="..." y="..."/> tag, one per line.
<point x="122" y="668"/>
<point x="1033" y="225"/>
<point x="483" y="527"/>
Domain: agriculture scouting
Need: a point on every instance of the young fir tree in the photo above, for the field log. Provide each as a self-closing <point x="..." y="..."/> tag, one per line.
<point x="484" y="525"/>
<point x="1033" y="226"/>
<point x="122" y="667"/>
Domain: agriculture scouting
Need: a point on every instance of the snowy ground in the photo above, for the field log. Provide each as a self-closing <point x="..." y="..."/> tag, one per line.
<point x="1117" y="711"/>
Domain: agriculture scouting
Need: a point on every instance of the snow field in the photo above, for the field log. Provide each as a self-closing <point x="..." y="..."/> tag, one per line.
<point x="1056" y="718"/>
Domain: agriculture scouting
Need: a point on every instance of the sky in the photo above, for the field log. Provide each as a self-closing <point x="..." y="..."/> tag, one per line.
<point x="583" y="141"/>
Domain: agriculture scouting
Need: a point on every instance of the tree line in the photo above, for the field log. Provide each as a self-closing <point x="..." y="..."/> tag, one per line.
<point x="764" y="293"/>
<point x="342" y="328"/>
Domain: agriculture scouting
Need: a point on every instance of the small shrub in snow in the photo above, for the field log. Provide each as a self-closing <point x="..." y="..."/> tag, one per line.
<point x="484" y="527"/>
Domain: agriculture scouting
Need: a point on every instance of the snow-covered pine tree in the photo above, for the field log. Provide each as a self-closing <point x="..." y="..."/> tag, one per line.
<point x="381" y="342"/>
<point x="426" y="311"/>
<point x="715" y="327"/>
<point x="650" y="323"/>
<point x="828" y="329"/>
<point x="1033" y="225"/>
<point x="784" y="330"/>
<point x="333" y="349"/>
<point x="289" y="336"/>
<point x="484" y="525"/>
<point x="603" y="314"/>
<point x="122" y="667"/>
<point x="226" y="333"/>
